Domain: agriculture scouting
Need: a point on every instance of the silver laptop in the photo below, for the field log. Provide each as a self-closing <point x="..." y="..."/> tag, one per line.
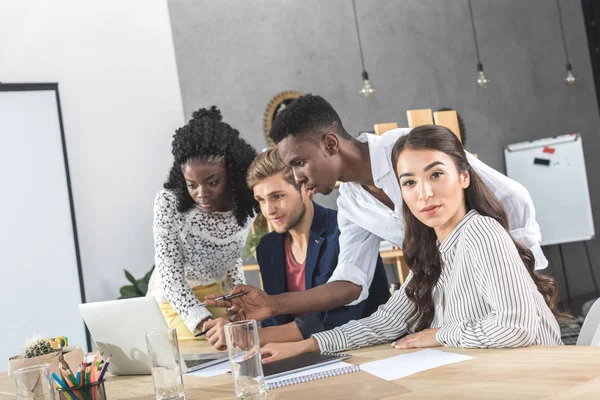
<point x="119" y="328"/>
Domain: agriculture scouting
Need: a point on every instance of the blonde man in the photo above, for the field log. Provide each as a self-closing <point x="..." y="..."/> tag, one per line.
<point x="300" y="253"/>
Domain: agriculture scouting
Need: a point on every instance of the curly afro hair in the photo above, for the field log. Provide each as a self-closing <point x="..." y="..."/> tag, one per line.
<point x="207" y="137"/>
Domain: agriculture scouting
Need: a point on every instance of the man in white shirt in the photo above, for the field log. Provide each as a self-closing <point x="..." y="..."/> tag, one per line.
<point x="311" y="139"/>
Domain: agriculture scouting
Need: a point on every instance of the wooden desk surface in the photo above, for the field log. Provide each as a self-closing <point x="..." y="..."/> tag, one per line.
<point x="567" y="372"/>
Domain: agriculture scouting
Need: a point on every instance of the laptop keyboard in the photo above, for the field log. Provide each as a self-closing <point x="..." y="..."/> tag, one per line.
<point x="193" y="363"/>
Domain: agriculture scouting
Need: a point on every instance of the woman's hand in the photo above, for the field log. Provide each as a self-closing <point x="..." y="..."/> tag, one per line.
<point x="425" y="338"/>
<point x="215" y="333"/>
<point x="279" y="351"/>
<point x="201" y="323"/>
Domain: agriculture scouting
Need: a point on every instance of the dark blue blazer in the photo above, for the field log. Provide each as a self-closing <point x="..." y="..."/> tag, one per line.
<point x="321" y="261"/>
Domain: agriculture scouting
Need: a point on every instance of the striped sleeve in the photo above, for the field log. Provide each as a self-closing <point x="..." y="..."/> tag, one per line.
<point x="384" y="325"/>
<point x="504" y="283"/>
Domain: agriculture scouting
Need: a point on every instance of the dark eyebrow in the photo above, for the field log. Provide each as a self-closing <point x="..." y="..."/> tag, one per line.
<point x="433" y="164"/>
<point x="427" y="168"/>
<point x="212" y="176"/>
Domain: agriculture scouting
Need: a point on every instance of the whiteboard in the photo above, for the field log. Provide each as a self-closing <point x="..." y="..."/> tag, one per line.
<point x="40" y="284"/>
<point x="553" y="170"/>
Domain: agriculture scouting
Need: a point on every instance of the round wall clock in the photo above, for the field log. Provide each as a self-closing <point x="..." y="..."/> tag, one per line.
<point x="276" y="105"/>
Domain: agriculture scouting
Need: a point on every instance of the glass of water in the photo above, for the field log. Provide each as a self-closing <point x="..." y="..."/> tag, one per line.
<point x="34" y="383"/>
<point x="246" y="364"/>
<point x="163" y="350"/>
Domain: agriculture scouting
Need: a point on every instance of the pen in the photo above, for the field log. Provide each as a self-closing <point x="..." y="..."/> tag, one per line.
<point x="204" y="332"/>
<point x="228" y="297"/>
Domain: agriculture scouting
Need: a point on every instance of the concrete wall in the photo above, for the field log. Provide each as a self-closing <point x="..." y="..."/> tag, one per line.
<point x="237" y="54"/>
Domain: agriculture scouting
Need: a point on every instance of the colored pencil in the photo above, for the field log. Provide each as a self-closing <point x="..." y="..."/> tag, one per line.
<point x="59" y="381"/>
<point x="81" y="372"/>
<point x="69" y="379"/>
<point x="61" y="385"/>
<point x="94" y="368"/>
<point x="104" y="369"/>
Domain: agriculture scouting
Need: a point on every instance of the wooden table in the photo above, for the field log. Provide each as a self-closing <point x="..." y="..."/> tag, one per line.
<point x="566" y="372"/>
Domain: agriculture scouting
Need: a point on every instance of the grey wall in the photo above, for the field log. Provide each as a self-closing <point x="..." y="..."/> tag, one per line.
<point x="239" y="53"/>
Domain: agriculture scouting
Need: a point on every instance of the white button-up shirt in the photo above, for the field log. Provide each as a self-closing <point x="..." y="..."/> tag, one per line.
<point x="364" y="221"/>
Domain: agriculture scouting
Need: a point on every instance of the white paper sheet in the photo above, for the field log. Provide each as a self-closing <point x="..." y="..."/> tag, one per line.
<point x="407" y="364"/>
<point x="213" y="370"/>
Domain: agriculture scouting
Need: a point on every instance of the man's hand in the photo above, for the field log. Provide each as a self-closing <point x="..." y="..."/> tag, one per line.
<point x="254" y="304"/>
<point x="278" y="351"/>
<point x="216" y="333"/>
<point x="425" y="338"/>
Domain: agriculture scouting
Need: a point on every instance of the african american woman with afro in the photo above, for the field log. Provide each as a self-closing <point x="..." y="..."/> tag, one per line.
<point x="201" y="221"/>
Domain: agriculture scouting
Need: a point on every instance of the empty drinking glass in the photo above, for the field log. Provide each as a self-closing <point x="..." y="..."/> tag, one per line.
<point x="163" y="350"/>
<point x="34" y="383"/>
<point x="246" y="364"/>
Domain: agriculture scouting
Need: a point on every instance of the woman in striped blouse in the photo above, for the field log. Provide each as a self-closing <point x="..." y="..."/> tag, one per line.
<point x="471" y="285"/>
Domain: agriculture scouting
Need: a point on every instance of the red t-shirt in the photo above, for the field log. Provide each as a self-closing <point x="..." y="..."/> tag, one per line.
<point x="294" y="270"/>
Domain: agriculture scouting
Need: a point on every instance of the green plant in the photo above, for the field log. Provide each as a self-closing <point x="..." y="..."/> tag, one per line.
<point x="259" y="229"/>
<point x="138" y="287"/>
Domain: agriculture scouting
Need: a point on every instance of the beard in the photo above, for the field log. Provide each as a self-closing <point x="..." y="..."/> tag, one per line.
<point x="294" y="219"/>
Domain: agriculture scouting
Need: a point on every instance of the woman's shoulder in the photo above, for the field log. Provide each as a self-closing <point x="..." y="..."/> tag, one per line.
<point x="166" y="195"/>
<point x="165" y="198"/>
<point x="483" y="231"/>
<point x="165" y="204"/>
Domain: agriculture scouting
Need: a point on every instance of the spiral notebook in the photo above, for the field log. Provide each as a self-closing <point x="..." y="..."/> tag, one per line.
<point x="305" y="368"/>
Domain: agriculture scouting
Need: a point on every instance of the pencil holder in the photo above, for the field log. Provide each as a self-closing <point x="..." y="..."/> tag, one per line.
<point x="93" y="391"/>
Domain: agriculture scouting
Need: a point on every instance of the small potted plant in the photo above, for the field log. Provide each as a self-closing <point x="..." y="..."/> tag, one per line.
<point x="39" y="350"/>
<point x="138" y="287"/>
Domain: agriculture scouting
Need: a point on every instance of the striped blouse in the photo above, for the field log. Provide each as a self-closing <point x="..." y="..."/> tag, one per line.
<point x="483" y="298"/>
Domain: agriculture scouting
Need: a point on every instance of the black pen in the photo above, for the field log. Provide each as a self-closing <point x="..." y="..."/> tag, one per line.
<point x="202" y="333"/>
<point x="227" y="297"/>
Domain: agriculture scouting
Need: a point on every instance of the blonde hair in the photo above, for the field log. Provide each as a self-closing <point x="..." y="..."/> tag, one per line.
<point x="267" y="164"/>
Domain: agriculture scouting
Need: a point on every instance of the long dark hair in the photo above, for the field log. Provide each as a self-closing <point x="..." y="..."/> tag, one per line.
<point x="420" y="242"/>
<point x="206" y="137"/>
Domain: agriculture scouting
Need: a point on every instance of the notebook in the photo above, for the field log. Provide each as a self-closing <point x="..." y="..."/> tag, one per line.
<point x="306" y="367"/>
